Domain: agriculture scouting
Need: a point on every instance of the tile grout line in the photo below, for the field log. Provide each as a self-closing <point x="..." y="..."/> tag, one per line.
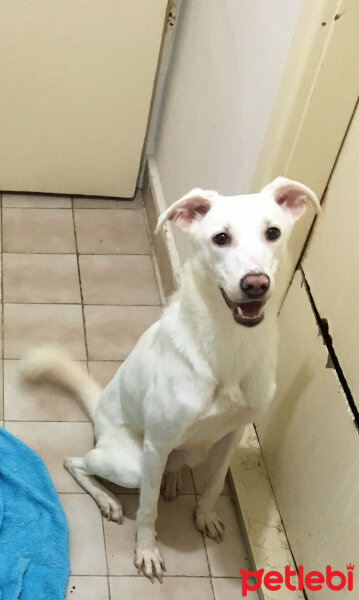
<point x="87" y="364"/>
<point x="80" y="253"/>
<point x="135" y="576"/>
<point x="68" y="208"/>
<point x="80" y="283"/>
<point x="204" y="540"/>
<point x="2" y="311"/>
<point x="88" y="304"/>
<point x="106" y="557"/>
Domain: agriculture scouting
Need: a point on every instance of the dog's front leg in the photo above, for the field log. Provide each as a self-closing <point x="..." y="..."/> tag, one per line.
<point x="206" y="519"/>
<point x="147" y="555"/>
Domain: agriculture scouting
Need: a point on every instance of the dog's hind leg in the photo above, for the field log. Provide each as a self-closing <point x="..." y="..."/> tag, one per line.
<point x="117" y="460"/>
<point x="109" y="505"/>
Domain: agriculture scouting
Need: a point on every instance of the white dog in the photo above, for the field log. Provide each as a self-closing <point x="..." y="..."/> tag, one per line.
<point x="201" y="373"/>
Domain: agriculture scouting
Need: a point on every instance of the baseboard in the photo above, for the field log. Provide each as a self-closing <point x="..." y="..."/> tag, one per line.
<point x="258" y="511"/>
<point x="163" y="242"/>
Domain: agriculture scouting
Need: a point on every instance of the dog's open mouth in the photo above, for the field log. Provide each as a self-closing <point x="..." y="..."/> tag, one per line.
<point x="247" y="313"/>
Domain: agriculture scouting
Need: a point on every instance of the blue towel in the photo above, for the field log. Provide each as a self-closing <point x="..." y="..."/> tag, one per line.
<point x="34" y="556"/>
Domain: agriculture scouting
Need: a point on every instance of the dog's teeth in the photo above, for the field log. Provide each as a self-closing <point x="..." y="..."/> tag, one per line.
<point x="239" y="311"/>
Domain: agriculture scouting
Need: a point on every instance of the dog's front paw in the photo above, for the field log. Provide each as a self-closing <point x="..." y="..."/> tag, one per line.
<point x="209" y="523"/>
<point x="150" y="562"/>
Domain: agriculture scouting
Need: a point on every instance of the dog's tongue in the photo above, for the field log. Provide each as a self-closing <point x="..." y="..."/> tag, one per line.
<point x="251" y="309"/>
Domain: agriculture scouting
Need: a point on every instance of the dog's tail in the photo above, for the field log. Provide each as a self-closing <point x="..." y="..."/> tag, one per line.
<point x="53" y="365"/>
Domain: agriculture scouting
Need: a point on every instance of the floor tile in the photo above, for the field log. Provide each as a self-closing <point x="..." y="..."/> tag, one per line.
<point x="31" y="325"/>
<point x="200" y="476"/>
<point x="87" y="550"/>
<point x="227" y="557"/>
<point x="118" y="203"/>
<point x="53" y="442"/>
<point x="103" y="370"/>
<point x="87" y="588"/>
<point x="231" y="589"/>
<point x="111" y="232"/>
<point x="120" y="539"/>
<point x="180" y="543"/>
<point x="176" y="588"/>
<point x="1" y="390"/>
<point x="118" y="280"/>
<point x="41" y="278"/>
<point x="112" y="331"/>
<point x="35" y="201"/>
<point x="24" y="401"/>
<point x="2" y="327"/>
<point x="38" y="231"/>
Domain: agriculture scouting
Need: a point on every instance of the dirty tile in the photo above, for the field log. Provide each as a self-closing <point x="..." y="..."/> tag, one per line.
<point x="87" y="549"/>
<point x="227" y="557"/>
<point x="105" y="231"/>
<point x="35" y="201"/>
<point x="118" y="280"/>
<point x="30" y="325"/>
<point x="25" y="401"/>
<point x="112" y="331"/>
<point x="231" y="589"/>
<point x="173" y="588"/>
<point x="87" y="588"/>
<point x="103" y="370"/>
<point x="118" y="203"/>
<point x="38" y="231"/>
<point x="180" y="544"/>
<point x="53" y="442"/>
<point x="43" y="278"/>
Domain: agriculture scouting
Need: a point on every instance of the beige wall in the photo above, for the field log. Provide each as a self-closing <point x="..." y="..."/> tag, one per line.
<point x="225" y="71"/>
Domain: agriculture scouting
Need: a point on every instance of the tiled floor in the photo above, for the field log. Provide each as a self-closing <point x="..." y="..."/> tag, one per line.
<point x="78" y="272"/>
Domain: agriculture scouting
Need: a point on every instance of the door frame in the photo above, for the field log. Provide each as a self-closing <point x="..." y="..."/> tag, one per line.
<point x="313" y="107"/>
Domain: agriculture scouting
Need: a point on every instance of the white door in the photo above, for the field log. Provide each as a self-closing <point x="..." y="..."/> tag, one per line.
<point x="76" y="83"/>
<point x="310" y="440"/>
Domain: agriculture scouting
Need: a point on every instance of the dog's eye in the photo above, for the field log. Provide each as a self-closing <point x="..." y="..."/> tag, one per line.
<point x="221" y="238"/>
<point x="272" y="233"/>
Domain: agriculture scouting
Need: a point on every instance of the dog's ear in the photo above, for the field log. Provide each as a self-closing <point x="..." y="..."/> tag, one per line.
<point x="292" y="196"/>
<point x="189" y="209"/>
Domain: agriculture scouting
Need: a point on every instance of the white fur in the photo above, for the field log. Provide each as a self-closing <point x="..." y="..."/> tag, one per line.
<point x="195" y="378"/>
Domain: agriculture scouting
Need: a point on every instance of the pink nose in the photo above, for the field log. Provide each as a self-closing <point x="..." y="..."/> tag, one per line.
<point x="255" y="285"/>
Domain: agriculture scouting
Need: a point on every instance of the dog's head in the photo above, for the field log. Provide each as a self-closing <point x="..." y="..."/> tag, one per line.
<point x="240" y="240"/>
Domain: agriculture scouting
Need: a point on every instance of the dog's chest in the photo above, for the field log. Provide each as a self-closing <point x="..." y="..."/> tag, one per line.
<point x="225" y="412"/>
